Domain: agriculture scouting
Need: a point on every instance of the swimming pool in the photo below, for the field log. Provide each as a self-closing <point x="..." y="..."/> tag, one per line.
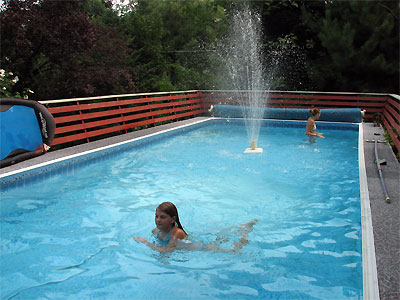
<point x="69" y="233"/>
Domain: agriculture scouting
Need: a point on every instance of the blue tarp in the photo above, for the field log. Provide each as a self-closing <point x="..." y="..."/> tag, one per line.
<point x="19" y="130"/>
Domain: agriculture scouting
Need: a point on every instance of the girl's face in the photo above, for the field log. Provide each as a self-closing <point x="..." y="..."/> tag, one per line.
<point x="164" y="221"/>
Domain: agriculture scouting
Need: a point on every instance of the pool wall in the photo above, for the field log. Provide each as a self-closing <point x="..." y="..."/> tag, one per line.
<point x="37" y="172"/>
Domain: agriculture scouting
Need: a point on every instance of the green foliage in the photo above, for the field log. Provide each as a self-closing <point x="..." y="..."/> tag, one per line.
<point x="101" y="13"/>
<point x="72" y="48"/>
<point x="7" y="82"/>
<point x="359" y="46"/>
<point x="173" y="41"/>
<point x="389" y="139"/>
<point x="60" y="51"/>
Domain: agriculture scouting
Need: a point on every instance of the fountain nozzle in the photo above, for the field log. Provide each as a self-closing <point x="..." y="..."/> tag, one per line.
<point x="253" y="148"/>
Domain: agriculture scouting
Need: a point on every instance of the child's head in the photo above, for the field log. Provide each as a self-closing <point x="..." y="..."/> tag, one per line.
<point x="170" y="209"/>
<point x="315" y="111"/>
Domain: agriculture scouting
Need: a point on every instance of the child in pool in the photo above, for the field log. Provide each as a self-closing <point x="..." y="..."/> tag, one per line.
<point x="311" y="128"/>
<point x="172" y="235"/>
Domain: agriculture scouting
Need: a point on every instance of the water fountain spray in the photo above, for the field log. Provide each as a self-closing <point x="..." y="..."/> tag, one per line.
<point x="246" y="69"/>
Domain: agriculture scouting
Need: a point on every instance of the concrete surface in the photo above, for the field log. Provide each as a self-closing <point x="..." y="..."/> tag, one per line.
<point x="385" y="216"/>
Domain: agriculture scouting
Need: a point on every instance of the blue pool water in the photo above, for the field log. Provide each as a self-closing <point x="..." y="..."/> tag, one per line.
<point x="69" y="235"/>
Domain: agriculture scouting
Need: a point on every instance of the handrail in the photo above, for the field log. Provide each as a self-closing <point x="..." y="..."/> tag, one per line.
<point x="115" y="96"/>
<point x="210" y="91"/>
<point x="300" y="92"/>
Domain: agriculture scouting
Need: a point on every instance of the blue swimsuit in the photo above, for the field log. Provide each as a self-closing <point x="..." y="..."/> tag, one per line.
<point x="186" y="244"/>
<point x="166" y="241"/>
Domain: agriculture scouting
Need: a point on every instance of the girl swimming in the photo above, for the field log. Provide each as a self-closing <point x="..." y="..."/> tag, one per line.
<point x="311" y="128"/>
<point x="171" y="234"/>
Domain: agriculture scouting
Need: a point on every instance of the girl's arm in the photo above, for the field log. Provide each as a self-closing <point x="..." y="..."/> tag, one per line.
<point x="310" y="129"/>
<point x="169" y="248"/>
<point x="176" y="235"/>
<point x="314" y="133"/>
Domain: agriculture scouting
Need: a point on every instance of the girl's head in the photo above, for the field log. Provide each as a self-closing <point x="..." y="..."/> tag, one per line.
<point x="170" y="209"/>
<point x="315" y="111"/>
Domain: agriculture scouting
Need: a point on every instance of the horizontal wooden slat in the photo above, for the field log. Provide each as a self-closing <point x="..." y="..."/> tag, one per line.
<point x="329" y="97"/>
<point x="393" y="103"/>
<point x="391" y="120"/>
<point x="69" y="138"/>
<point x="72" y="118"/>
<point x="327" y="103"/>
<point x="70" y="128"/>
<point x="62" y="109"/>
<point x="161" y="98"/>
<point x="395" y="138"/>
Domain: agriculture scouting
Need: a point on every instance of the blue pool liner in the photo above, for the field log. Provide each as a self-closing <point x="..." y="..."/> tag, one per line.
<point x="69" y="164"/>
<point x="350" y="115"/>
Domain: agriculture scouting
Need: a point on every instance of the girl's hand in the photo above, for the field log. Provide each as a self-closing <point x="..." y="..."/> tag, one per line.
<point x="140" y="239"/>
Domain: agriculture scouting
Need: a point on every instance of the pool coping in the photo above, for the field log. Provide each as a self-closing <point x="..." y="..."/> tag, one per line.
<point x="370" y="276"/>
<point x="370" y="273"/>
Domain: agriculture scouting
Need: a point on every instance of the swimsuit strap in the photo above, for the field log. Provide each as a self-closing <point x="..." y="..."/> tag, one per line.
<point x="167" y="238"/>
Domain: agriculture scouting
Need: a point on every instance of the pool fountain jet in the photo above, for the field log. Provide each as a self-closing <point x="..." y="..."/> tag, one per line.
<point x="253" y="148"/>
<point x="244" y="58"/>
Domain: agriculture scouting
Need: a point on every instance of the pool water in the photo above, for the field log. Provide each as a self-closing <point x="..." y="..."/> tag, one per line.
<point x="69" y="236"/>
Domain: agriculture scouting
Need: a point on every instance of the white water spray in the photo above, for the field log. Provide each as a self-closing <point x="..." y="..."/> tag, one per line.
<point x="244" y="57"/>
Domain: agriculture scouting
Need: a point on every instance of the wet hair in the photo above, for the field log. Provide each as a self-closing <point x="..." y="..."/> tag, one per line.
<point x="315" y="111"/>
<point x="170" y="209"/>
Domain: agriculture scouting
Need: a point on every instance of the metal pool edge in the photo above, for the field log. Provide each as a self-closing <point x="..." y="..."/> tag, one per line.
<point x="370" y="274"/>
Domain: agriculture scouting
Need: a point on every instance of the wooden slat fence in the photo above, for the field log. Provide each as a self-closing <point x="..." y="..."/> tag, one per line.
<point x="88" y="119"/>
<point x="386" y="105"/>
<point x="391" y="119"/>
<point x="371" y="103"/>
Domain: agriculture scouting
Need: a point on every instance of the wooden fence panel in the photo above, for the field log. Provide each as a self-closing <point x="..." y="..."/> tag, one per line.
<point x="371" y="104"/>
<point x="81" y="122"/>
<point x="86" y="119"/>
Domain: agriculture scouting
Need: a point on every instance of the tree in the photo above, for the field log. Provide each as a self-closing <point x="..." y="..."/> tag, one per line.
<point x="58" y="51"/>
<point x="72" y="48"/>
<point x="173" y="41"/>
<point x="360" y="45"/>
<point x="287" y="41"/>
